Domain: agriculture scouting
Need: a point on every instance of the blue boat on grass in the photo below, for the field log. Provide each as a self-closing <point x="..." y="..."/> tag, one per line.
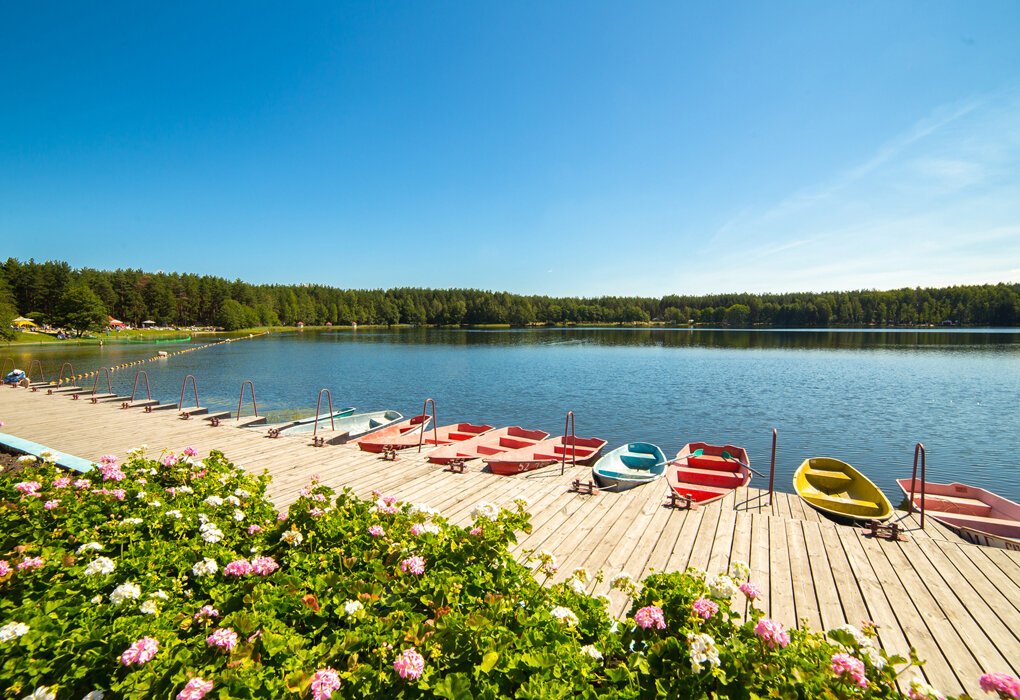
<point x="630" y="465"/>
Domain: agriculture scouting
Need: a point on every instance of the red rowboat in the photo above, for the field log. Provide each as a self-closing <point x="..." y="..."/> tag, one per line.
<point x="490" y="443"/>
<point x="975" y="514"/>
<point x="544" y="453"/>
<point x="409" y="427"/>
<point x="443" y="435"/>
<point x="708" y="476"/>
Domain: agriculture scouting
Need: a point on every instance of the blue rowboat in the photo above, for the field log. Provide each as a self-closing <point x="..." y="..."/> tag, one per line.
<point x="630" y="465"/>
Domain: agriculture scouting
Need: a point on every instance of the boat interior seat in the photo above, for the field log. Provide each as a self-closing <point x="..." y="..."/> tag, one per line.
<point x="827" y="500"/>
<point x="638" y="461"/>
<point x="626" y="474"/>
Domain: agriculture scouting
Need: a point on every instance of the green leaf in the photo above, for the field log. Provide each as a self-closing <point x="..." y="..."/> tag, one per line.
<point x="489" y="661"/>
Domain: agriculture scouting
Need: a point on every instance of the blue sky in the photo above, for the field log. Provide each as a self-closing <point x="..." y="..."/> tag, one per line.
<point x="567" y="148"/>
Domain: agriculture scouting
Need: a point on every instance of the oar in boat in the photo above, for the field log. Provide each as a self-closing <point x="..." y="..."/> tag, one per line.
<point x="727" y="455"/>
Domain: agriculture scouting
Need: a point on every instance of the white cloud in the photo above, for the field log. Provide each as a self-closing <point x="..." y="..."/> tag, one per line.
<point x="936" y="205"/>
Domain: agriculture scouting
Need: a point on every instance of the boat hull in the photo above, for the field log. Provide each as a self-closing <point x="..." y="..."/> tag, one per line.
<point x="347" y="428"/>
<point x="582" y="451"/>
<point x="378" y="440"/>
<point x="978" y="515"/>
<point x="490" y="443"/>
<point x="443" y="435"/>
<point x="709" y="476"/>
<point x="836" y="489"/>
<point x="630" y="465"/>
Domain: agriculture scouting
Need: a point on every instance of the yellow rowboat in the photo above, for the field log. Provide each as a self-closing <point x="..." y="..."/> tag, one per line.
<point x="840" y="491"/>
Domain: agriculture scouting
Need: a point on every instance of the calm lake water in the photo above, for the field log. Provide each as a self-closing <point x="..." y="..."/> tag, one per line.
<point x="865" y="397"/>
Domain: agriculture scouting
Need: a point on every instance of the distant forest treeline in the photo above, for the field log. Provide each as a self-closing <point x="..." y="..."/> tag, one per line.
<point x="36" y="290"/>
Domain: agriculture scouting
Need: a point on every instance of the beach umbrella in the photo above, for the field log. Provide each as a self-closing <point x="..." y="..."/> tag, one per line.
<point x="22" y="321"/>
<point x="115" y="322"/>
<point x="148" y="323"/>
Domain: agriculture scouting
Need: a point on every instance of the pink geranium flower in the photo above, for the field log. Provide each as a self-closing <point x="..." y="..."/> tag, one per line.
<point x="108" y="459"/>
<point x="376" y="531"/>
<point x="190" y="451"/>
<point x="705" y="608"/>
<point x="324" y="682"/>
<point x="1002" y="683"/>
<point x="206" y="611"/>
<point x="239" y="567"/>
<point x="413" y="565"/>
<point x="62" y="483"/>
<point x="650" y="616"/>
<point x="224" y="638"/>
<point x="50" y="505"/>
<point x="5" y="568"/>
<point x="264" y="565"/>
<point x="772" y="633"/>
<point x="30" y="563"/>
<point x="409" y="664"/>
<point x="252" y="529"/>
<point x="195" y="689"/>
<point x="140" y="652"/>
<point x="475" y="531"/>
<point x="848" y="668"/>
<point x="750" y="590"/>
<point x="417" y="529"/>
<point x="169" y="459"/>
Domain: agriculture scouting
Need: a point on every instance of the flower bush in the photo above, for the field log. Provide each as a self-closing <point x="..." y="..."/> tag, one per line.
<point x="184" y="582"/>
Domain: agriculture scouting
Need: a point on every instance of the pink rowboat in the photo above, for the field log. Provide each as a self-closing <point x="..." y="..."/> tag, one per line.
<point x="443" y="435"/>
<point x="546" y="452"/>
<point x="977" y="515"/>
<point x="410" y="427"/>
<point x="709" y="476"/>
<point x="490" y="443"/>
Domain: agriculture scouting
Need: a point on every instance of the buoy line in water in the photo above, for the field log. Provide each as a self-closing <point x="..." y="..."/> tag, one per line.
<point x="76" y="377"/>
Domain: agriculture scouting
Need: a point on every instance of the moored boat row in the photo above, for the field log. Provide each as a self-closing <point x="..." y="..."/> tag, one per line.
<point x="700" y="473"/>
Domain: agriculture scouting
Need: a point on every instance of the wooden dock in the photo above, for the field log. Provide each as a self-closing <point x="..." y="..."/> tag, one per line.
<point x="958" y="604"/>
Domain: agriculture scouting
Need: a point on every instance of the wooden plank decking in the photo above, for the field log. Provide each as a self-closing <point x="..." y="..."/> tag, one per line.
<point x="958" y="604"/>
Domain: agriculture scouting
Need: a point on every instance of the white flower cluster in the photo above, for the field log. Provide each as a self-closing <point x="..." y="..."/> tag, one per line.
<point x="210" y="533"/>
<point x="89" y="547"/>
<point x="206" y="567"/>
<point x="740" y="571"/>
<point x="100" y="566"/>
<point x="421" y="508"/>
<point x="12" y="630"/>
<point x="26" y="458"/>
<point x="238" y="514"/>
<point x="576" y="585"/>
<point x="140" y="494"/>
<point x="722" y="587"/>
<point x="292" y="537"/>
<point x="351" y="607"/>
<point x="137" y="452"/>
<point x="621" y="581"/>
<point x="703" y="651"/>
<point x="150" y="607"/>
<point x="522" y="502"/>
<point x="566" y="616"/>
<point x="591" y="651"/>
<point x="130" y="521"/>
<point x="241" y="493"/>
<point x="214" y="501"/>
<point x="185" y="489"/>
<point x="174" y="514"/>
<point x="697" y="573"/>
<point x="125" y="591"/>
<point x="431" y="528"/>
<point x="485" y="510"/>
<point x="94" y="695"/>
<point x="233" y="500"/>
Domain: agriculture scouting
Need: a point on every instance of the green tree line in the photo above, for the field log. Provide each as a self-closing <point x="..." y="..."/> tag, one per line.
<point x="52" y="291"/>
